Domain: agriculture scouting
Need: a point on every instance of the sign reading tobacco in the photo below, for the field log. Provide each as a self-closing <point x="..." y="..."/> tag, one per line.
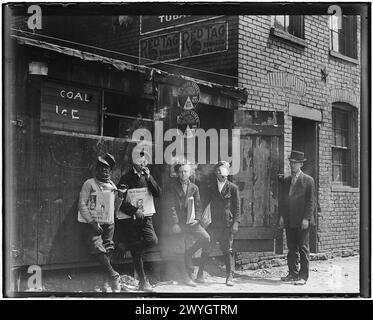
<point x="155" y="23"/>
<point x="192" y="41"/>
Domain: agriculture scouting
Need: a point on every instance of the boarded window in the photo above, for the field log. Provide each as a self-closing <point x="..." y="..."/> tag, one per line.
<point x="69" y="108"/>
<point x="344" y="40"/>
<point x="344" y="153"/>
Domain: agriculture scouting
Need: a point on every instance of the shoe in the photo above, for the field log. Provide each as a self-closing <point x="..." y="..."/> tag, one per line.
<point x="300" y="282"/>
<point x="116" y="285"/>
<point x="115" y="281"/>
<point x="190" y="272"/>
<point x="229" y="281"/>
<point x="200" y="279"/>
<point x="145" y="286"/>
<point x="289" y="277"/>
<point x="189" y="283"/>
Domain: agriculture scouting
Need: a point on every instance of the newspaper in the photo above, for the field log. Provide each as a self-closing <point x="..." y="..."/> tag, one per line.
<point x="100" y="206"/>
<point x="141" y="198"/>
<point x="191" y="214"/>
<point x="206" y="217"/>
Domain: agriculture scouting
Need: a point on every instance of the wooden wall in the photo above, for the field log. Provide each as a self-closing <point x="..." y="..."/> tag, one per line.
<point x="49" y="168"/>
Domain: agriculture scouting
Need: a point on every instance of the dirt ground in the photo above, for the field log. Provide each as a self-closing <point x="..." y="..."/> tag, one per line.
<point x="338" y="275"/>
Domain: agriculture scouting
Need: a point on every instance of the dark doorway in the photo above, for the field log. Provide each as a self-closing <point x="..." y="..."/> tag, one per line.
<point x="304" y="138"/>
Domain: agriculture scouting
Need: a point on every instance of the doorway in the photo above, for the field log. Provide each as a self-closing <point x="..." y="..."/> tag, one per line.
<point x="305" y="139"/>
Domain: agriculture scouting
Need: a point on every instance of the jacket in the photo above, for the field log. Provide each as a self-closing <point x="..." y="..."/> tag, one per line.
<point x="301" y="204"/>
<point x="132" y="180"/>
<point x="225" y="205"/>
<point x="179" y="202"/>
<point x="91" y="186"/>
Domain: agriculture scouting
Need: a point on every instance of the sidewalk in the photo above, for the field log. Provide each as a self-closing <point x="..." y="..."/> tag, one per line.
<point x="337" y="275"/>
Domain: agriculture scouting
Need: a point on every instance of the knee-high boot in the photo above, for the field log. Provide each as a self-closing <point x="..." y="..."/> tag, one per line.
<point x="114" y="276"/>
<point x="104" y="259"/>
<point x="229" y="267"/>
<point x="139" y="266"/>
<point x="202" y="265"/>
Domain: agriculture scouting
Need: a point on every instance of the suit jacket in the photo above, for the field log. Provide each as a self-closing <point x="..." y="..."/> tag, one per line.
<point x="179" y="202"/>
<point x="301" y="204"/>
<point x="132" y="180"/>
<point x="225" y="205"/>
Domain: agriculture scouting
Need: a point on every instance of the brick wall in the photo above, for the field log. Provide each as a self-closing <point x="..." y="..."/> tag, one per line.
<point x="266" y="64"/>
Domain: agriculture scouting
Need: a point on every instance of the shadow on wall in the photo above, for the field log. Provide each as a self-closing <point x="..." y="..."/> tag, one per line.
<point x="68" y="244"/>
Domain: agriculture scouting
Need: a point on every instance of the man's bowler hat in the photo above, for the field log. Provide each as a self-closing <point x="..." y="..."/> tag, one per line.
<point x="297" y="156"/>
<point x="107" y="160"/>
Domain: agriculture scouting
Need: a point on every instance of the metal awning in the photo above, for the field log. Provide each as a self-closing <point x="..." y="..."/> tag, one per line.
<point x="234" y="92"/>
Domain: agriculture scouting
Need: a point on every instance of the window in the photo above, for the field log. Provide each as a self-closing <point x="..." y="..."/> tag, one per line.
<point x="344" y="40"/>
<point x="344" y="146"/>
<point x="124" y="114"/>
<point x="293" y="25"/>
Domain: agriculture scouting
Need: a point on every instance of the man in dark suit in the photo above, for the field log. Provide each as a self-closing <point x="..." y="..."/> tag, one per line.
<point x="134" y="229"/>
<point x="225" y="218"/>
<point x="297" y="204"/>
<point x="182" y="191"/>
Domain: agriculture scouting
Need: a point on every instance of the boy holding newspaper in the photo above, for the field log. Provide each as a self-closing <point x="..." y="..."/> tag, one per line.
<point x="186" y="214"/>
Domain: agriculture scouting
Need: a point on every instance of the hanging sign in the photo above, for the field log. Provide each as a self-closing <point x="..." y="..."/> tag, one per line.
<point x="188" y="122"/>
<point x="189" y="95"/>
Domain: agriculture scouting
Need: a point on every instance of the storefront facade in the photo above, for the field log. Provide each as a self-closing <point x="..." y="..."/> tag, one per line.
<point x="282" y="91"/>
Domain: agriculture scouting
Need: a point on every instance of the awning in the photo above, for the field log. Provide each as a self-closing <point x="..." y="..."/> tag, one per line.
<point x="234" y="92"/>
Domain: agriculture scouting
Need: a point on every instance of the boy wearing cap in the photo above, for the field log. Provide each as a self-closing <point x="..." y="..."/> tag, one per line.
<point x="297" y="214"/>
<point x="182" y="190"/>
<point x="135" y="229"/>
<point x="98" y="201"/>
<point x="225" y="218"/>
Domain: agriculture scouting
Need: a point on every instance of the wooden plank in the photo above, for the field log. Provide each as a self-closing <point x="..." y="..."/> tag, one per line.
<point x="274" y="170"/>
<point x="244" y="180"/>
<point x="25" y="151"/>
<point x="249" y="245"/>
<point x="256" y="233"/>
<point x="88" y="128"/>
<point x="260" y="180"/>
